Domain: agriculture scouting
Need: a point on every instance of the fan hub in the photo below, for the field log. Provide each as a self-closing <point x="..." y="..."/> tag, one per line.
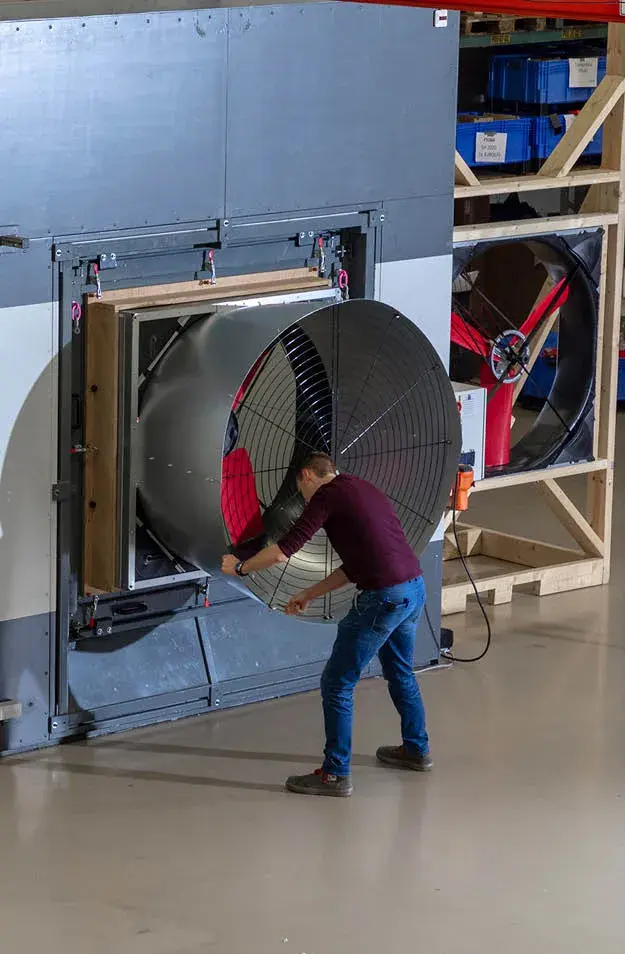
<point x="509" y="356"/>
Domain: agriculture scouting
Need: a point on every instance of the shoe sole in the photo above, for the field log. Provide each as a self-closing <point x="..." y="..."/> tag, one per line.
<point x="307" y="791"/>
<point x="407" y="766"/>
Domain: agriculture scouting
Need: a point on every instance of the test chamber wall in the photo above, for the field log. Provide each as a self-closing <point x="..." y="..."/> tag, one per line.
<point x="339" y="120"/>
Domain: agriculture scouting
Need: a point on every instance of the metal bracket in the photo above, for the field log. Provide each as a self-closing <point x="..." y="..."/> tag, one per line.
<point x="376" y="217"/>
<point x="107" y="260"/>
<point x="61" y="491"/>
<point x="99" y="250"/>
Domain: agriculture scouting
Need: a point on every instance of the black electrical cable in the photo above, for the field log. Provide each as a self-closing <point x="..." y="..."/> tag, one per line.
<point x="489" y="632"/>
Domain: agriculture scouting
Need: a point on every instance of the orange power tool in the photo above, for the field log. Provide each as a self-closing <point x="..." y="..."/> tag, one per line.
<point x="459" y="498"/>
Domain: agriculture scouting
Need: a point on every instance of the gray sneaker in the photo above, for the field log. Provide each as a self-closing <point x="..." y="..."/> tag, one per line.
<point x="396" y="755"/>
<point x="321" y="783"/>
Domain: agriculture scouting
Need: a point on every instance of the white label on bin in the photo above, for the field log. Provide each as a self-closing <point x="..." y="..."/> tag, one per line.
<point x="490" y="147"/>
<point x="583" y="72"/>
<point x="568" y="119"/>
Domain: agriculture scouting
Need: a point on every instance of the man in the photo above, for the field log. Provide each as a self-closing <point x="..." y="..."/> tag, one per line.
<point x="365" y="531"/>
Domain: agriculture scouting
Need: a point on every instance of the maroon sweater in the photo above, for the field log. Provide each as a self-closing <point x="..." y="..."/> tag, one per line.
<point x="363" y="528"/>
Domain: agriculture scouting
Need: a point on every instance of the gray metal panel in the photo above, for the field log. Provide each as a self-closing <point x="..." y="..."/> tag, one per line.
<point x="106" y="671"/>
<point x="113" y="122"/>
<point x="24" y="674"/>
<point x="333" y="104"/>
<point x="417" y="228"/>
<point x="45" y="9"/>
<point x="26" y="275"/>
<point x="247" y="639"/>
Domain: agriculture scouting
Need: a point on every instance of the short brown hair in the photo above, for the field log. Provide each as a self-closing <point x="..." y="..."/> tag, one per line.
<point x="321" y="464"/>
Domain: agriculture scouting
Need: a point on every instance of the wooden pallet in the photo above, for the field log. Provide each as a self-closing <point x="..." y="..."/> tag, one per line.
<point x="512" y="564"/>
<point x="472" y="23"/>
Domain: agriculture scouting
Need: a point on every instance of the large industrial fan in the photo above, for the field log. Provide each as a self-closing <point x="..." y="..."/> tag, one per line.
<point x="509" y="300"/>
<point x="245" y="395"/>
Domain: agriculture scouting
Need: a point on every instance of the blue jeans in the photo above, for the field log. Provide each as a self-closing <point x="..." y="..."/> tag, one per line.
<point x="382" y="622"/>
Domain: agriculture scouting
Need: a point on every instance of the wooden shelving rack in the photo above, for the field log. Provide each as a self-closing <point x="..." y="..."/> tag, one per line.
<point x="540" y="567"/>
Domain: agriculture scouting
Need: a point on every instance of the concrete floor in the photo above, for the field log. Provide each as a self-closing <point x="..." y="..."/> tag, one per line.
<point x="180" y="840"/>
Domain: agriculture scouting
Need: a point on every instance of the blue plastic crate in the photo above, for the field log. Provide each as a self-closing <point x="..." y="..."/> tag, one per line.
<point x="519" y="78"/>
<point x="517" y="131"/>
<point x="548" y="131"/>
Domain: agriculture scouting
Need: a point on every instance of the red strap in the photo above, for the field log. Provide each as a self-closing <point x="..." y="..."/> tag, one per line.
<point x="550" y="303"/>
<point x="467" y="337"/>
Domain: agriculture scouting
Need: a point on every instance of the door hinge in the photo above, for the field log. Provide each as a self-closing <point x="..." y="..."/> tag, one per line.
<point x="61" y="491"/>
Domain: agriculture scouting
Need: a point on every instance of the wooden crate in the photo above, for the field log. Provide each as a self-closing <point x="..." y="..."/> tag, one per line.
<point x="533" y="565"/>
<point x="103" y="437"/>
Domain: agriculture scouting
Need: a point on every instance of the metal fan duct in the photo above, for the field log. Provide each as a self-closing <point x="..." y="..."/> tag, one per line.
<point x="244" y="394"/>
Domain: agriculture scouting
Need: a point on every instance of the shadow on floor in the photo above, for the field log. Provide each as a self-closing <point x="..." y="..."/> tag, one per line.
<point x="163" y="748"/>
<point x="141" y="775"/>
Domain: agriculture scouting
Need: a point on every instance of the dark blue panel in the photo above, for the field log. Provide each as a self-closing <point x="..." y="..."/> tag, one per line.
<point x="24" y="677"/>
<point x="331" y="104"/>
<point x="105" y="672"/>
<point x="112" y="122"/>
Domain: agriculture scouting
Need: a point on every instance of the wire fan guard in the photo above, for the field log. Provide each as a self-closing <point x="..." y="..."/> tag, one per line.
<point x="356" y="380"/>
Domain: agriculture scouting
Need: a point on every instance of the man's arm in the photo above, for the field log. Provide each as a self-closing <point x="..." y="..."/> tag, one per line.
<point x="299" y="602"/>
<point x="265" y="558"/>
<point x="334" y="581"/>
<point x="303" y="530"/>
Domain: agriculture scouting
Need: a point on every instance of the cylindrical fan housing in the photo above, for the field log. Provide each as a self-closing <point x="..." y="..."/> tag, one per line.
<point x="243" y="395"/>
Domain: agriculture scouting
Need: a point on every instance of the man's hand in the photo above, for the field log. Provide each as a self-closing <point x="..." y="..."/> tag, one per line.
<point x="228" y="563"/>
<point x="297" y="604"/>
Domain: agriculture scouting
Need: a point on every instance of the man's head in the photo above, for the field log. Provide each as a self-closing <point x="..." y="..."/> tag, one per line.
<point x="315" y="470"/>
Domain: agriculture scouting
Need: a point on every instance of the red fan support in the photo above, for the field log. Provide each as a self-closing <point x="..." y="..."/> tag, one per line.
<point x="498" y="387"/>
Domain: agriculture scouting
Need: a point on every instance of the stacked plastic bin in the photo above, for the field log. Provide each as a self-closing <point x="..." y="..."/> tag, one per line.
<point x="534" y="101"/>
<point x="546" y="86"/>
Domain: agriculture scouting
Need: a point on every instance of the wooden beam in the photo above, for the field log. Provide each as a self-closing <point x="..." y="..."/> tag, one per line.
<point x="528" y="227"/>
<point x="100" y="537"/>
<point x="533" y="476"/>
<point x="230" y="286"/>
<point x="464" y="175"/>
<point x="468" y="538"/>
<point x="522" y="550"/>
<point x="601" y="486"/>
<point x="503" y="185"/>
<point x="601" y="311"/>
<point x="570" y="517"/>
<point x="586" y="124"/>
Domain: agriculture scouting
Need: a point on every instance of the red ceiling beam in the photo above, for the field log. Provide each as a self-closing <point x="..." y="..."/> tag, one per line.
<point x="602" y="10"/>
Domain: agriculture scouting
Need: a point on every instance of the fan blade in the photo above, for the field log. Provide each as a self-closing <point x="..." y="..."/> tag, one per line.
<point x="554" y="300"/>
<point x="466" y="337"/>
